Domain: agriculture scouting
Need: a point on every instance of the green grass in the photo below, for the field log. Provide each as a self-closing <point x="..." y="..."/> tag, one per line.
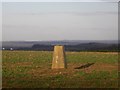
<point x="32" y="69"/>
<point x="84" y="57"/>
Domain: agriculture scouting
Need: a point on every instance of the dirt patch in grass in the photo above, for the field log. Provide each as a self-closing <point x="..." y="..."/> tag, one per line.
<point x="105" y="67"/>
<point x="23" y="64"/>
<point x="99" y="67"/>
<point x="45" y="71"/>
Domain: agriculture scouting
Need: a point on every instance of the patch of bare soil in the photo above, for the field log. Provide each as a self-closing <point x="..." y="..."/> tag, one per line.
<point x="23" y="64"/>
<point x="100" y="67"/>
<point x="45" y="71"/>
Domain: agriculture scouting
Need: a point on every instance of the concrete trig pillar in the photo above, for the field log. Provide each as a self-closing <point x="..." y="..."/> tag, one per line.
<point x="59" y="60"/>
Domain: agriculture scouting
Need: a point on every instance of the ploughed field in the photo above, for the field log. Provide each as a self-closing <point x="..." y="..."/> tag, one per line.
<point x="32" y="69"/>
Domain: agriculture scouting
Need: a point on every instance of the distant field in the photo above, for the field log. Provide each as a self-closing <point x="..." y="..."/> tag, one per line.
<point x="32" y="69"/>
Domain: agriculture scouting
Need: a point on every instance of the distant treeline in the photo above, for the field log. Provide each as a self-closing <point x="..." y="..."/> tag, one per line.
<point x="80" y="47"/>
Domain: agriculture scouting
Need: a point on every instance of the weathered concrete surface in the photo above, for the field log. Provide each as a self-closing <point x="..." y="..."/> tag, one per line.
<point x="59" y="60"/>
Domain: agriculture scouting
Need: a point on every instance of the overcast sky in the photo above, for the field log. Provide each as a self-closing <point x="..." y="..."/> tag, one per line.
<point x="38" y="21"/>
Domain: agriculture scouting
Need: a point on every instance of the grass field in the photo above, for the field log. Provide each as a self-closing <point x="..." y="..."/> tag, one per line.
<point x="32" y="69"/>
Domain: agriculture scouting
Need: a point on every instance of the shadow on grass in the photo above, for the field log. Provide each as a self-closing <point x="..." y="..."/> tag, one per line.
<point x="84" y="66"/>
